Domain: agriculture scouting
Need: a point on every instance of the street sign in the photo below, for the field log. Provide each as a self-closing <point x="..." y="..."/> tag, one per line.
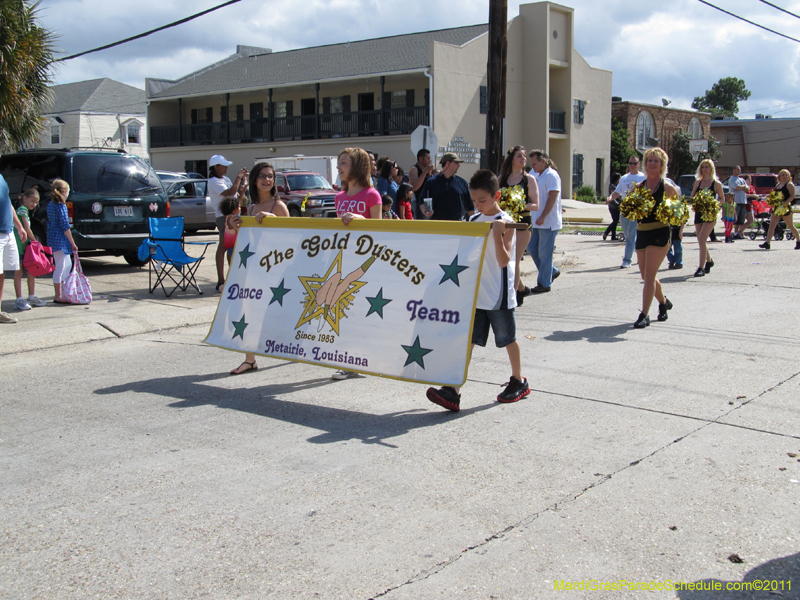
<point x="424" y="137"/>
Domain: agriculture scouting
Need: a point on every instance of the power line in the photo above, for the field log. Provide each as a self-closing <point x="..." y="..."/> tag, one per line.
<point x="749" y="21"/>
<point x="152" y="31"/>
<point x="780" y="9"/>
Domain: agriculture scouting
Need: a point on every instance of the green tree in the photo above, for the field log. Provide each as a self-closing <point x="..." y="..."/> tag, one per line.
<point x="680" y="159"/>
<point x="723" y="98"/>
<point x="26" y="61"/>
<point x="620" y="147"/>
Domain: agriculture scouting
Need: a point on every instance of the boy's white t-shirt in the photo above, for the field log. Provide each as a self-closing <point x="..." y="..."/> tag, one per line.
<point x="496" y="289"/>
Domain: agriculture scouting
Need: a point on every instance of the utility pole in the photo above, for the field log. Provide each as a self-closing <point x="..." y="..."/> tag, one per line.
<point x="496" y="82"/>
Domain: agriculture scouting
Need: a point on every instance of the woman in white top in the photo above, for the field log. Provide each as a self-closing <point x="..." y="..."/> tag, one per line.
<point x="219" y="187"/>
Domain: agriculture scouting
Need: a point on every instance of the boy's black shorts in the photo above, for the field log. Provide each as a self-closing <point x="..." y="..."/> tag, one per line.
<point x="502" y="323"/>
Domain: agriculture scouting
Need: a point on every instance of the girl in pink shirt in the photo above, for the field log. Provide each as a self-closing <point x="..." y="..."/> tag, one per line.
<point x="358" y="199"/>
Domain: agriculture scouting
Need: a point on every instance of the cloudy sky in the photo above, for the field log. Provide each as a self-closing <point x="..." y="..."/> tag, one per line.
<point x="673" y="49"/>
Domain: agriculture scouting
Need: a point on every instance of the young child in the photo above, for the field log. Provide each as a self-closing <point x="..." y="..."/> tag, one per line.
<point x="29" y="199"/>
<point x="388" y="213"/>
<point x="729" y="216"/>
<point x="59" y="235"/>
<point x="405" y="194"/>
<point x="230" y="209"/>
<point x="496" y="294"/>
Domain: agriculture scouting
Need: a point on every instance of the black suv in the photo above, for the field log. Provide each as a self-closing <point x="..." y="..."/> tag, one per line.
<point x="112" y="195"/>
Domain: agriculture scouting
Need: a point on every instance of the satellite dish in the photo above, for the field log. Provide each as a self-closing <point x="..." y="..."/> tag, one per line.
<point x="666" y="102"/>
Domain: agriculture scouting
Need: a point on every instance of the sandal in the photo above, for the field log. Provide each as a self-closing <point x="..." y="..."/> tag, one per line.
<point x="219" y="285"/>
<point x="251" y="366"/>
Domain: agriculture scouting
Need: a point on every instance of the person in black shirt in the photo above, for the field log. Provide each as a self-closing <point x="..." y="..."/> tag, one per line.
<point x="449" y="192"/>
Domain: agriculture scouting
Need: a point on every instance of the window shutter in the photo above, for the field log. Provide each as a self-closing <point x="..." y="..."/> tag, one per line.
<point x="346" y="103"/>
<point x="223" y="114"/>
<point x="209" y="115"/>
<point x="326" y="105"/>
<point x="240" y="112"/>
<point x="409" y="98"/>
<point x="194" y="116"/>
<point x="289" y="108"/>
<point x="581" y="107"/>
<point x="387" y="100"/>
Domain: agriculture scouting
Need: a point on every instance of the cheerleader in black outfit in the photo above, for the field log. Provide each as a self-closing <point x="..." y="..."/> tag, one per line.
<point x="706" y="179"/>
<point x="786" y="187"/>
<point x="653" y="237"/>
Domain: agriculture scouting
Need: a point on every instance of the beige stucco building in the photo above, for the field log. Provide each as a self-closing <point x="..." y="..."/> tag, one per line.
<point x="98" y="113"/>
<point x="761" y="145"/>
<point x="374" y="93"/>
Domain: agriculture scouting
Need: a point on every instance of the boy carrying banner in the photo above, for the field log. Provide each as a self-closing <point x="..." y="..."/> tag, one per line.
<point x="496" y="294"/>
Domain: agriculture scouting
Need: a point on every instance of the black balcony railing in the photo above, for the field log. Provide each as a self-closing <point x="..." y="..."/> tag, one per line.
<point x="558" y="121"/>
<point x="395" y="121"/>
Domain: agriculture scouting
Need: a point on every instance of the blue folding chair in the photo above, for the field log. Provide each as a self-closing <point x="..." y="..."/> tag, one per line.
<point x="168" y="260"/>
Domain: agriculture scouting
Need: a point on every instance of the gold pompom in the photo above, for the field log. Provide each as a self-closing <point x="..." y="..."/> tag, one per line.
<point x="775" y="200"/>
<point x="637" y="204"/>
<point x="673" y="211"/>
<point x="513" y="201"/>
<point x="705" y="203"/>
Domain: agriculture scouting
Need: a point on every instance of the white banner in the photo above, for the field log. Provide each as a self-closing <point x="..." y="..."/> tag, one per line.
<point x="388" y="298"/>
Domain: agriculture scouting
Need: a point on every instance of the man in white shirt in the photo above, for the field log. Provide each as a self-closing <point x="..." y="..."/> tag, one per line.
<point x="626" y="183"/>
<point x="545" y="222"/>
<point x="739" y="187"/>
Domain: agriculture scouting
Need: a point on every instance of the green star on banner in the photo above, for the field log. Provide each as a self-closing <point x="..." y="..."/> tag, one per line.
<point x="377" y="303"/>
<point x="239" y="327"/>
<point x="278" y="293"/>
<point x="244" y="255"/>
<point x="451" y="271"/>
<point x="416" y="353"/>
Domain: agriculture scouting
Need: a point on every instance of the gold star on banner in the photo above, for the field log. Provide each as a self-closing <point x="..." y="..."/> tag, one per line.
<point x="331" y="314"/>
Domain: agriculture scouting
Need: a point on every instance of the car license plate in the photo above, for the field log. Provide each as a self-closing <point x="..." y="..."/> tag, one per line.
<point x="123" y="211"/>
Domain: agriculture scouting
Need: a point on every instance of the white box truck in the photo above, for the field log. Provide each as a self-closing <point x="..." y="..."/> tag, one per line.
<point x="324" y="165"/>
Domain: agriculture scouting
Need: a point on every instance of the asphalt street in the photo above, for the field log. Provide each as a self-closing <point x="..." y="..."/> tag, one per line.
<point x="133" y="466"/>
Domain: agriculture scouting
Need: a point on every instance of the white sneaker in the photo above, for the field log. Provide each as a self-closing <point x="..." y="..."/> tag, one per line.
<point x="34" y="301"/>
<point x="6" y="318"/>
<point x="22" y="304"/>
<point x="342" y="374"/>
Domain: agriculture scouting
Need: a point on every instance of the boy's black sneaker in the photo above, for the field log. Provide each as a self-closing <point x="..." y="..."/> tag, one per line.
<point x="515" y="390"/>
<point x="445" y="397"/>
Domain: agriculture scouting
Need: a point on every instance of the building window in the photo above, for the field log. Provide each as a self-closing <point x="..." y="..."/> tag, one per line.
<point x="55" y="134"/>
<point x="733" y="136"/>
<point x="695" y="129"/>
<point x="578" y="107"/>
<point x="283" y="109"/>
<point x="645" y="131"/>
<point x="577" y="170"/>
<point x="484" y="99"/>
<point x="132" y="132"/>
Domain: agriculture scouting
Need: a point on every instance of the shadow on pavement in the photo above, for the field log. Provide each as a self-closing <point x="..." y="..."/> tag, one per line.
<point x="338" y="425"/>
<point x="777" y="578"/>
<point x="603" y="334"/>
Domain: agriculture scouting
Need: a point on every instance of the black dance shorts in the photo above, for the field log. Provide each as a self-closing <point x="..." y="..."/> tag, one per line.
<point x="659" y="238"/>
<point x="526" y="218"/>
<point x="698" y="220"/>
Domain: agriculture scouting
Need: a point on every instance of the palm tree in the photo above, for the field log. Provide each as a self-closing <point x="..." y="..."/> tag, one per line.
<point x="26" y="60"/>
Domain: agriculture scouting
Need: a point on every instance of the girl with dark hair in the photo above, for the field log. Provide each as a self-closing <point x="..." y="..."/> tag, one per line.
<point x="387" y="183"/>
<point x="405" y="193"/>
<point x="513" y="174"/>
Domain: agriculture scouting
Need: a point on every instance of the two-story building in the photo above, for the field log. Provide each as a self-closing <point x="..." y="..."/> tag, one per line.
<point x="760" y="145"/>
<point x="99" y="113"/>
<point x="374" y="93"/>
<point x="649" y="125"/>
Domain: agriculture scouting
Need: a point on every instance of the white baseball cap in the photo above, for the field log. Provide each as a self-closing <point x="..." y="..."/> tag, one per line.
<point x="218" y="159"/>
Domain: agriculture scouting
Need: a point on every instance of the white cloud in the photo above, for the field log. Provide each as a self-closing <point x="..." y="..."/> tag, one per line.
<point x="675" y="49"/>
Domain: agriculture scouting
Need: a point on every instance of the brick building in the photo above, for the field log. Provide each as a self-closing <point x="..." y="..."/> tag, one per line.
<point x="650" y="125"/>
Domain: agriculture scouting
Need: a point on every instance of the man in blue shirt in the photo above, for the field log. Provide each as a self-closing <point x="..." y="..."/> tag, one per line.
<point x="9" y="257"/>
<point x="449" y="192"/>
